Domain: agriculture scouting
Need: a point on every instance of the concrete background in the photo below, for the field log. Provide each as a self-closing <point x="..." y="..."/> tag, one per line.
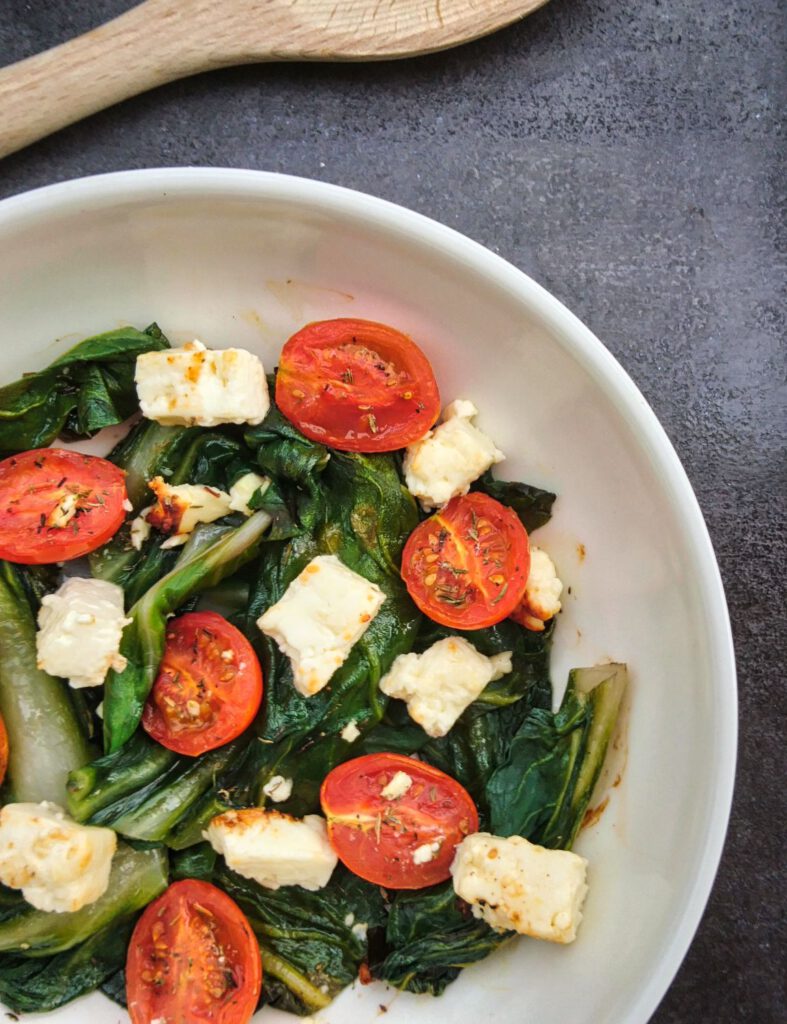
<point x="628" y="154"/>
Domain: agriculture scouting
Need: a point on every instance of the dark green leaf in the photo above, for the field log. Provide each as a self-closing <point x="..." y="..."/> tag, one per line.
<point x="532" y="504"/>
<point x="39" y="984"/>
<point x="89" y="387"/>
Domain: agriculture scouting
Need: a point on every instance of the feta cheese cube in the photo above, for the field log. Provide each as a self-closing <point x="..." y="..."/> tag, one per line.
<point x="541" y="600"/>
<point x="140" y="529"/>
<point x="192" y="386"/>
<point x="180" y="507"/>
<point x="323" y="613"/>
<point x="274" y="849"/>
<point x="440" y="683"/>
<point x="513" y="884"/>
<point x="278" y="789"/>
<point x="59" y="866"/>
<point x="79" y="631"/>
<point x="397" y="786"/>
<point x="350" y="732"/>
<point x="426" y="852"/>
<point x="449" y="458"/>
<point x="243" y="489"/>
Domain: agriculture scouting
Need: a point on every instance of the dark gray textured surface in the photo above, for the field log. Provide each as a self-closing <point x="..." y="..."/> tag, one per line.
<point x="628" y="154"/>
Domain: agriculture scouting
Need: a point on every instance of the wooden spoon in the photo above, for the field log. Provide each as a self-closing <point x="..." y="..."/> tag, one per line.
<point x="161" y="40"/>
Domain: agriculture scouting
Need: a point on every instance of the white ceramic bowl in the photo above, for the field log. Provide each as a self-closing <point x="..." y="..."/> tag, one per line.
<point x="244" y="258"/>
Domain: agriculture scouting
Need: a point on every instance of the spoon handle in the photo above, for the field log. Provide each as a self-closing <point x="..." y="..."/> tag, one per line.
<point x="140" y="49"/>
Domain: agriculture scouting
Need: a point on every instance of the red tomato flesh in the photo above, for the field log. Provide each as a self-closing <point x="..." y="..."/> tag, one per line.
<point x="467" y="565"/>
<point x="56" y="505"/>
<point x="208" y="688"/>
<point x="193" y="958"/>
<point x="376" y="838"/>
<point x="357" y="385"/>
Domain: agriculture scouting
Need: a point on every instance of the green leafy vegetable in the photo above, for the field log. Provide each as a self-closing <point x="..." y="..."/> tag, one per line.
<point x="430" y="936"/>
<point x="307" y="940"/>
<point x="44" y="733"/>
<point x="542" y="789"/>
<point x="136" y="878"/>
<point x="143" y="640"/>
<point x="41" y="983"/>
<point x="532" y="504"/>
<point x="89" y="387"/>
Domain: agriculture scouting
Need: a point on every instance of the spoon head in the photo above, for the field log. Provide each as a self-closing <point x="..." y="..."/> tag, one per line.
<point x="338" y="30"/>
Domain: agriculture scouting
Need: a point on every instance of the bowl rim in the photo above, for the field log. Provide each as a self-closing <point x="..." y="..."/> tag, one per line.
<point x="105" y="190"/>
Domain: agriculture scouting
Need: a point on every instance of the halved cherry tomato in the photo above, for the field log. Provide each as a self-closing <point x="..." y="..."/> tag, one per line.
<point x="357" y="385"/>
<point x="404" y="843"/>
<point x="208" y="688"/>
<point x="56" y="505"/>
<point x="3" y="749"/>
<point x="467" y="565"/>
<point x="193" y="958"/>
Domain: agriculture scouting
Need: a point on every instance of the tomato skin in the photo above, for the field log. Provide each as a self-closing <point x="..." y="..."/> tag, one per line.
<point x="208" y="688"/>
<point x="173" y="968"/>
<point x="357" y="385"/>
<point x="3" y="750"/>
<point x="467" y="565"/>
<point x="47" y="485"/>
<point x="375" y="837"/>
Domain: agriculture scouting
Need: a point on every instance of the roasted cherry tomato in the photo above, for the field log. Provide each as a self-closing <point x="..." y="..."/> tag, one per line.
<point x="402" y="841"/>
<point x="56" y="505"/>
<point x="193" y="958"/>
<point x="208" y="688"/>
<point x="357" y="385"/>
<point x="467" y="565"/>
<point x="3" y="750"/>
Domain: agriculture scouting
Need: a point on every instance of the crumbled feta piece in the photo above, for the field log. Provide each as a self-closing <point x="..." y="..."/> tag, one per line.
<point x="426" y="852"/>
<point x="180" y="507"/>
<point x="278" y="789"/>
<point x="359" y="930"/>
<point x="59" y="865"/>
<point x="274" y="849"/>
<point x="193" y="386"/>
<point x="349" y="919"/>
<point x="127" y="506"/>
<point x="449" y="458"/>
<point x="323" y="613"/>
<point x="512" y="884"/>
<point x="396" y="786"/>
<point x="350" y="732"/>
<point x="140" y="529"/>
<point x="243" y="489"/>
<point x="541" y="600"/>
<point x="440" y="683"/>
<point x="79" y="631"/>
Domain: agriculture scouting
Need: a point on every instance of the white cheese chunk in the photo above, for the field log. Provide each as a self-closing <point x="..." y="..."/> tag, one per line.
<point x="243" y="489"/>
<point x="323" y="613"/>
<point x="397" y="786"/>
<point x="512" y="884"/>
<point x="79" y="631"/>
<point x="278" y="789"/>
<point x="273" y="848"/>
<point x="449" y="458"/>
<point x="440" y="683"/>
<point x="193" y="386"/>
<point x="59" y="865"/>
<point x="541" y="600"/>
<point x="426" y="852"/>
<point x="181" y="507"/>
<point x="359" y="930"/>
<point x="350" y="732"/>
<point x="140" y="528"/>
